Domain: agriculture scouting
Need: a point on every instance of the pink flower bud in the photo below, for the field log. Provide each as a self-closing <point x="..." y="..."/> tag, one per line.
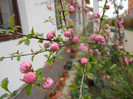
<point x="46" y="45"/>
<point x="72" y="9"/>
<point x="54" y="46"/>
<point x="29" y="77"/>
<point x="91" y="51"/>
<point x="68" y="51"/>
<point x="84" y="60"/>
<point x="75" y="39"/>
<point x="48" y="83"/>
<point x="92" y="37"/>
<point x="120" y="47"/>
<point x="96" y="15"/>
<point x="49" y="35"/>
<point x="49" y="7"/>
<point x="107" y="7"/>
<point x="114" y="83"/>
<point x="130" y="60"/>
<point x="98" y="38"/>
<point x="96" y="51"/>
<point x="47" y="66"/>
<point x="108" y="77"/>
<point x="25" y="67"/>
<point x="67" y="33"/>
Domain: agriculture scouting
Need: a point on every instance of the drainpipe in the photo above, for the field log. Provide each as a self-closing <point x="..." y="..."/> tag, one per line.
<point x="84" y="28"/>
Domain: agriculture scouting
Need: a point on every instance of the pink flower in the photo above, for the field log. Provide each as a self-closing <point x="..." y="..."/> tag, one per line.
<point x="130" y="60"/>
<point x="91" y="51"/>
<point x="49" y="35"/>
<point x="48" y="83"/>
<point x="25" y="67"/>
<point x="84" y="60"/>
<point x="29" y="77"/>
<point x="107" y="7"/>
<point x="75" y="39"/>
<point x="120" y="47"/>
<point x="71" y="30"/>
<point x="67" y="33"/>
<point x="83" y="48"/>
<point x="120" y="69"/>
<point x="114" y="83"/>
<point x="96" y="51"/>
<point x="96" y="15"/>
<point x="107" y="25"/>
<point x="68" y="51"/>
<point x="98" y="38"/>
<point x="126" y="61"/>
<point x="66" y="39"/>
<point x="46" y="45"/>
<point x="72" y="9"/>
<point x="54" y="46"/>
<point x="92" y="37"/>
<point x="108" y="77"/>
<point x="49" y="7"/>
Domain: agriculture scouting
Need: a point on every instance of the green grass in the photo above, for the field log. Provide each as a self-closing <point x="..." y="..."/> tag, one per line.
<point x="129" y="29"/>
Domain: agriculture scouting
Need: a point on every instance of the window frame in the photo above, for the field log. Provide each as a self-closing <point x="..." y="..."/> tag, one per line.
<point x="5" y="37"/>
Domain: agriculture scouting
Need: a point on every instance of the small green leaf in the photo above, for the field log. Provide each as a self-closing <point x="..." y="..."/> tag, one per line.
<point x="4" y="96"/>
<point x="38" y="70"/>
<point x="73" y="87"/>
<point x="88" y="67"/>
<point x="18" y="58"/>
<point x="27" y="42"/>
<point x="85" y="86"/>
<point x="1" y="59"/>
<point x="49" y="62"/>
<point x="28" y="89"/>
<point x="11" y="21"/>
<point x="58" y="15"/>
<point x="32" y="51"/>
<point x="90" y="75"/>
<point x="8" y="31"/>
<point x="32" y="58"/>
<point x="29" y="36"/>
<point x="40" y="41"/>
<point x="46" y="56"/>
<point x="59" y="56"/>
<point x="39" y="77"/>
<point x="32" y="31"/>
<point x="4" y="84"/>
<point x="1" y="31"/>
<point x="21" y="41"/>
<point x="15" y="92"/>
<point x="87" y="96"/>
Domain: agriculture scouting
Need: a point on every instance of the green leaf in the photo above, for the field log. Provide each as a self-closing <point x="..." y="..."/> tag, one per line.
<point x="73" y="87"/>
<point x="1" y="31"/>
<point x="15" y="92"/>
<point x="40" y="41"/>
<point x="46" y="56"/>
<point x="4" y="84"/>
<point x="32" y="31"/>
<point x="11" y="21"/>
<point x="8" y="31"/>
<point x="58" y="15"/>
<point x="87" y="96"/>
<point x="90" y="75"/>
<point x="88" y="67"/>
<point x="18" y="58"/>
<point x="1" y="59"/>
<point x="28" y="89"/>
<point x="32" y="51"/>
<point x="21" y="41"/>
<point x="49" y="62"/>
<point x="32" y="58"/>
<point x="38" y="70"/>
<point x="39" y="77"/>
<point x="76" y="67"/>
<point x="4" y="96"/>
<point x="29" y="36"/>
<point x="27" y="42"/>
<point x="60" y="57"/>
<point x="85" y="86"/>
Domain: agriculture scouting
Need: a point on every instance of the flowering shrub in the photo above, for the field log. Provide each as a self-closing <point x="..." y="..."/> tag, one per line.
<point x="104" y="58"/>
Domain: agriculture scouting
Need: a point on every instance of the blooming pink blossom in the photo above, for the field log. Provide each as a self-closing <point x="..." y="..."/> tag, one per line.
<point x="84" y="60"/>
<point x="83" y="48"/>
<point x="96" y="15"/>
<point x="54" y="46"/>
<point x="47" y="66"/>
<point x="48" y="83"/>
<point x="96" y="51"/>
<point x="50" y="35"/>
<point x="72" y="9"/>
<point x="108" y="77"/>
<point x="29" y="77"/>
<point x="75" y="39"/>
<point x="120" y="47"/>
<point x="25" y="67"/>
<point x="126" y="61"/>
<point x="68" y="51"/>
<point x="67" y="33"/>
<point x="49" y="7"/>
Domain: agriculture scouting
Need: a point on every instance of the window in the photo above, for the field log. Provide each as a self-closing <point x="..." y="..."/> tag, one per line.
<point x="7" y="9"/>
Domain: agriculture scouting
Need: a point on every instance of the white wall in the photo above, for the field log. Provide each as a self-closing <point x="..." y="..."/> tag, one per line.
<point x="31" y="15"/>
